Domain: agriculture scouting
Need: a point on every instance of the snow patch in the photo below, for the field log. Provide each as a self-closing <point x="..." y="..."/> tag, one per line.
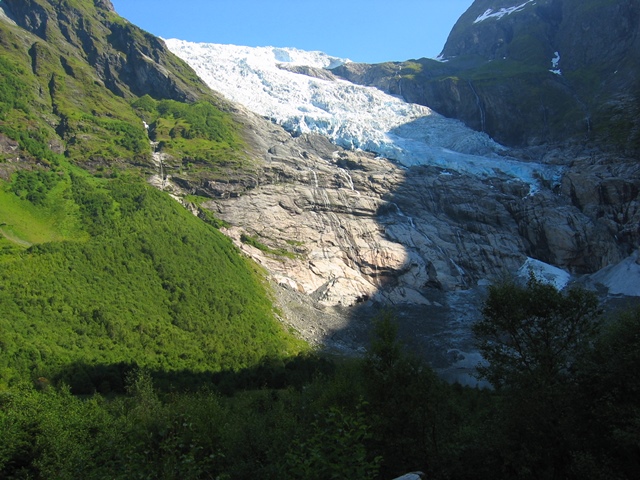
<point x="545" y="273"/>
<point x="555" y="62"/>
<point x="490" y="13"/>
<point x="622" y="278"/>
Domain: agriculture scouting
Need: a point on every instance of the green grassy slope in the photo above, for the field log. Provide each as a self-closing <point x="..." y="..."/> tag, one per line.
<point x="146" y="282"/>
<point x="96" y="268"/>
<point x="67" y="88"/>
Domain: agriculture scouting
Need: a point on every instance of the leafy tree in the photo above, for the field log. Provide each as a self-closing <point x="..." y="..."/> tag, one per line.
<point x="534" y="338"/>
<point x="335" y="448"/>
<point x="406" y="403"/>
<point x="34" y="185"/>
<point x="532" y="334"/>
<point x="12" y="90"/>
<point x="607" y="403"/>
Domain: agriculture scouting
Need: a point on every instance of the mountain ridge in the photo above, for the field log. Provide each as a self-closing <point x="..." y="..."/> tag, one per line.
<point x="497" y="75"/>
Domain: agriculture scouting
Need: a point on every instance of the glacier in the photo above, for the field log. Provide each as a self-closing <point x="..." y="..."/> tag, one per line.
<point x="352" y="116"/>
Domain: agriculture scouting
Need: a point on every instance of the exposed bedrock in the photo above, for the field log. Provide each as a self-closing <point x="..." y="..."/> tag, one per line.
<point x="344" y="227"/>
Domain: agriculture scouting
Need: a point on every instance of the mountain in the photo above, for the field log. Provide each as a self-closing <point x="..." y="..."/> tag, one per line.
<point x="351" y="198"/>
<point x="163" y="249"/>
<point x="125" y="59"/>
<point x="275" y="84"/>
<point x="404" y="206"/>
<point x="99" y="270"/>
<point x="531" y="73"/>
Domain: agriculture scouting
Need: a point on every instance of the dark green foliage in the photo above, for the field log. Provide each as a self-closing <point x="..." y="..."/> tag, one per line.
<point x="386" y="414"/>
<point x="304" y="432"/>
<point x="124" y="134"/>
<point x="334" y="448"/>
<point x="198" y="132"/>
<point x="561" y="391"/>
<point x="607" y="406"/>
<point x="532" y="335"/>
<point x="153" y="286"/>
<point x="13" y="92"/>
<point x="210" y="219"/>
<point x="32" y="141"/>
<point x="34" y="185"/>
<point x="254" y="242"/>
<point x="203" y="119"/>
<point x="96" y="205"/>
<point x="406" y="402"/>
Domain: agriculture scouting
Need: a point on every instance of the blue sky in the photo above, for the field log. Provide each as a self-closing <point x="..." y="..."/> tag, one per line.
<point x="369" y="31"/>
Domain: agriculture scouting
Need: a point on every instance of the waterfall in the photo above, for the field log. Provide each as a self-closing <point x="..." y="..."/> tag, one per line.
<point x="401" y="214"/>
<point x="157" y="159"/>
<point x="349" y="178"/>
<point x="483" y="115"/>
<point x="315" y="177"/>
<point x="460" y="270"/>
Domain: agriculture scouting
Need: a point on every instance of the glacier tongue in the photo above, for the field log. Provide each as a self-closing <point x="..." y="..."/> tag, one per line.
<point x="351" y="116"/>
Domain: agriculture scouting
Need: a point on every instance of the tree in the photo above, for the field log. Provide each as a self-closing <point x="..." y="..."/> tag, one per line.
<point x="407" y="403"/>
<point x="533" y="338"/>
<point x="532" y="335"/>
<point x="335" y="448"/>
<point x="608" y="403"/>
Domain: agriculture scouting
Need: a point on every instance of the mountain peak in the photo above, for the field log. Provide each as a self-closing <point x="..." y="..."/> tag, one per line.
<point x="106" y="4"/>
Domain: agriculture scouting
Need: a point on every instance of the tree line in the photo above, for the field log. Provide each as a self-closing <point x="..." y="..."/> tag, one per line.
<point x="564" y="405"/>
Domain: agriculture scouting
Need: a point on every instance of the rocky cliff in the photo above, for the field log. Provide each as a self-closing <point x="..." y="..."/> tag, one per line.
<point x="128" y="60"/>
<point x="342" y="228"/>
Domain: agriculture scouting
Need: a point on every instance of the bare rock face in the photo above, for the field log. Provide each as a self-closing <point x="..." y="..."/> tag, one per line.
<point x="319" y="223"/>
<point x="341" y="233"/>
<point x="106" y="4"/>
<point x="609" y="190"/>
<point x="345" y="227"/>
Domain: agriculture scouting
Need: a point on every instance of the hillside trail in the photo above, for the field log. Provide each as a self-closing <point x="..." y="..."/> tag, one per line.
<point x="14" y="239"/>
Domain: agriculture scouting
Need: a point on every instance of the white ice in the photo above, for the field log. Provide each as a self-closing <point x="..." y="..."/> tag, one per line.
<point x="352" y="116"/>
<point x="622" y="278"/>
<point x="543" y="272"/>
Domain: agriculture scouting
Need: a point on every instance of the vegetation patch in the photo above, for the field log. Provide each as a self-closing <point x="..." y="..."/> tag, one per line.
<point x="152" y="286"/>
<point x="376" y="417"/>
<point x="254" y="242"/>
<point x="200" y="134"/>
<point x="33" y="213"/>
<point x="410" y="70"/>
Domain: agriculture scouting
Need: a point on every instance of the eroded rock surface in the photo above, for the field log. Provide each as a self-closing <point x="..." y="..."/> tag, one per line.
<point x="343" y="232"/>
<point x="346" y="227"/>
